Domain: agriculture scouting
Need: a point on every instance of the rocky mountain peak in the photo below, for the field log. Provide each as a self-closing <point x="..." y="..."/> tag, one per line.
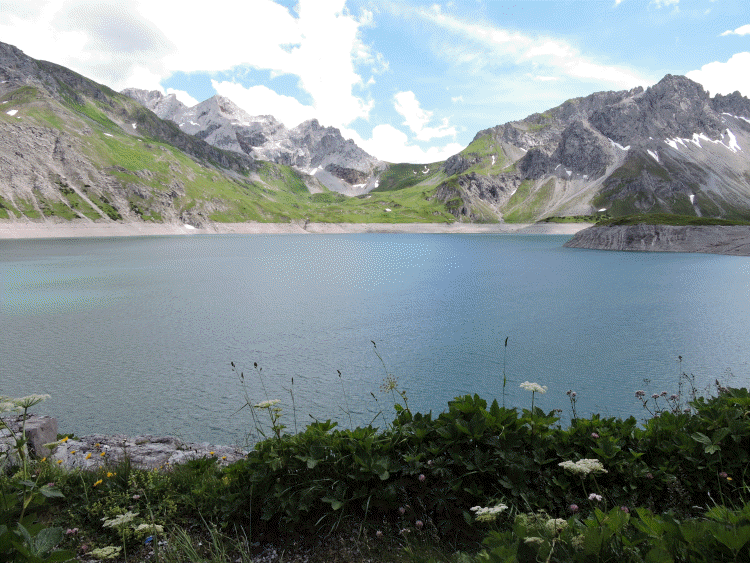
<point x="310" y="147"/>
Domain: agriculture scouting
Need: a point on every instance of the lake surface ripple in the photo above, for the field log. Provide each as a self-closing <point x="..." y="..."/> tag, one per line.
<point x="136" y="335"/>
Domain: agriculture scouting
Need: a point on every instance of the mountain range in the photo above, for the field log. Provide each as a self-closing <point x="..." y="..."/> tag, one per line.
<point x="322" y="152"/>
<point x="72" y="149"/>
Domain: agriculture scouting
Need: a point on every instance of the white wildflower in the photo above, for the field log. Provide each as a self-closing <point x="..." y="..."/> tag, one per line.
<point x="594" y="496"/>
<point x="534" y="387"/>
<point x="150" y="527"/>
<point x="534" y="540"/>
<point x="487" y="513"/>
<point x="583" y="466"/>
<point x="556" y="525"/>
<point x="9" y="406"/>
<point x="119" y="520"/>
<point x="109" y="552"/>
<point x="267" y="404"/>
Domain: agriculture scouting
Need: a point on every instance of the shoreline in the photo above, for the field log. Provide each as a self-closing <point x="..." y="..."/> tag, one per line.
<point x="32" y="230"/>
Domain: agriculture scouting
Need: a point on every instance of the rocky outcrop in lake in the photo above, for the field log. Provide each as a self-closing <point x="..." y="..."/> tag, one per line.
<point x="731" y="240"/>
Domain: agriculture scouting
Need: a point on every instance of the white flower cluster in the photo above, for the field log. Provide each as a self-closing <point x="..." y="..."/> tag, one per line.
<point x="19" y="405"/>
<point x="487" y="513"/>
<point x="535" y="387"/>
<point x="119" y="520"/>
<point x="583" y="466"/>
<point x="556" y="525"/>
<point x="150" y="527"/>
<point x="267" y="404"/>
<point x="109" y="552"/>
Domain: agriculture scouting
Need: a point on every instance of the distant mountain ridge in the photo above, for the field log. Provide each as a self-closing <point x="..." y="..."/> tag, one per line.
<point x="75" y="150"/>
<point x="72" y="150"/>
<point x="337" y="163"/>
<point x="669" y="148"/>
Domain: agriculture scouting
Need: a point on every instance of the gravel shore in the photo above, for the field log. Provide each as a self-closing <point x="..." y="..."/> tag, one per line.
<point x="73" y="229"/>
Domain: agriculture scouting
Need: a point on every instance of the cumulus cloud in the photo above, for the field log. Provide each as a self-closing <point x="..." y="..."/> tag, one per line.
<point x="417" y="119"/>
<point x="183" y="96"/>
<point x="389" y="144"/>
<point x="141" y="43"/>
<point x="725" y="78"/>
<point x="663" y="3"/>
<point x="742" y="30"/>
<point x="261" y="100"/>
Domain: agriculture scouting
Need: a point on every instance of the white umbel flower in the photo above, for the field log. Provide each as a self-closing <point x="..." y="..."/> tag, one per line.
<point x="267" y="404"/>
<point x="535" y="387"/>
<point x="583" y="466"/>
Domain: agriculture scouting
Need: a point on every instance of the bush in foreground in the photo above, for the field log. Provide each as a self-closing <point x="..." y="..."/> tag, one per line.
<point x="500" y="484"/>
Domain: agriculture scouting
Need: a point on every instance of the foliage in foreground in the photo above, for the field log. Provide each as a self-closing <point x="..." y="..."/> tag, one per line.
<point x="603" y="489"/>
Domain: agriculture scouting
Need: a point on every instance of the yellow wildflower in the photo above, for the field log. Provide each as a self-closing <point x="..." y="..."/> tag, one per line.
<point x="44" y="459"/>
<point x="211" y="453"/>
<point x="109" y="474"/>
<point x="729" y="478"/>
<point x="88" y="455"/>
<point x="103" y="454"/>
<point x="72" y="451"/>
<point x="64" y="440"/>
<point x="59" y="461"/>
<point x="99" y="482"/>
<point x="223" y="457"/>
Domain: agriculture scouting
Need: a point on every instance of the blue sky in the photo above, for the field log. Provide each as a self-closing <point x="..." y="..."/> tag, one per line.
<point x="409" y="81"/>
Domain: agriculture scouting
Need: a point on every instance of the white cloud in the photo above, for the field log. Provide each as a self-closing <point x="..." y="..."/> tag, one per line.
<point x="141" y="43"/>
<point x="456" y="99"/>
<point x="742" y="30"/>
<point x="183" y="96"/>
<point x="389" y="144"/>
<point x="261" y="100"/>
<point x="663" y="3"/>
<point x="725" y="78"/>
<point x="502" y="47"/>
<point x="417" y="119"/>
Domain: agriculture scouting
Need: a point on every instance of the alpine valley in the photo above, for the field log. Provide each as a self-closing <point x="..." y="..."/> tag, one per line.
<point x="75" y="150"/>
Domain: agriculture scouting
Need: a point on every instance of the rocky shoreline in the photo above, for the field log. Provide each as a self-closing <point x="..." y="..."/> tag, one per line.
<point x="99" y="450"/>
<point x="77" y="229"/>
<point x="714" y="239"/>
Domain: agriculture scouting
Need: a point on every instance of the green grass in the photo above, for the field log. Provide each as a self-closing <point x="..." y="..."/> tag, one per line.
<point x="23" y="95"/>
<point x="669" y="219"/>
<point x="483" y="149"/>
<point x="103" y="203"/>
<point x="524" y="205"/>
<point x="576" y="218"/>
<point x="27" y="208"/>
<point x="400" y="176"/>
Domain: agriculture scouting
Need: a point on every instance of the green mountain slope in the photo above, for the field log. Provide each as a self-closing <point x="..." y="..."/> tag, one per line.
<point x="72" y="149"/>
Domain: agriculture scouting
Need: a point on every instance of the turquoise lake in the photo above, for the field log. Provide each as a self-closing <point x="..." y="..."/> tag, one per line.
<point x="136" y="335"/>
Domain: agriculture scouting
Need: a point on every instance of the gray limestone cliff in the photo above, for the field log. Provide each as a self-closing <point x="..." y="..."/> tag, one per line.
<point x="310" y="148"/>
<point x="731" y="240"/>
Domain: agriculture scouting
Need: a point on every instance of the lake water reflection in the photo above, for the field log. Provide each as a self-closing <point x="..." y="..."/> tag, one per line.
<point x="136" y="335"/>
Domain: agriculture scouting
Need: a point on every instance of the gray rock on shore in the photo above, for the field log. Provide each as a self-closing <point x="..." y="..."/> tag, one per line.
<point x="99" y="450"/>
<point x="714" y="239"/>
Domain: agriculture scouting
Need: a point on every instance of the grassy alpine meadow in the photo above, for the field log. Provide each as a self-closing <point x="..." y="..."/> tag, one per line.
<point x="479" y="482"/>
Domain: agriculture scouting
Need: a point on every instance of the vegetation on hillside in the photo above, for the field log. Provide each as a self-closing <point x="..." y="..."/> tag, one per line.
<point x="668" y="219"/>
<point x="478" y="482"/>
